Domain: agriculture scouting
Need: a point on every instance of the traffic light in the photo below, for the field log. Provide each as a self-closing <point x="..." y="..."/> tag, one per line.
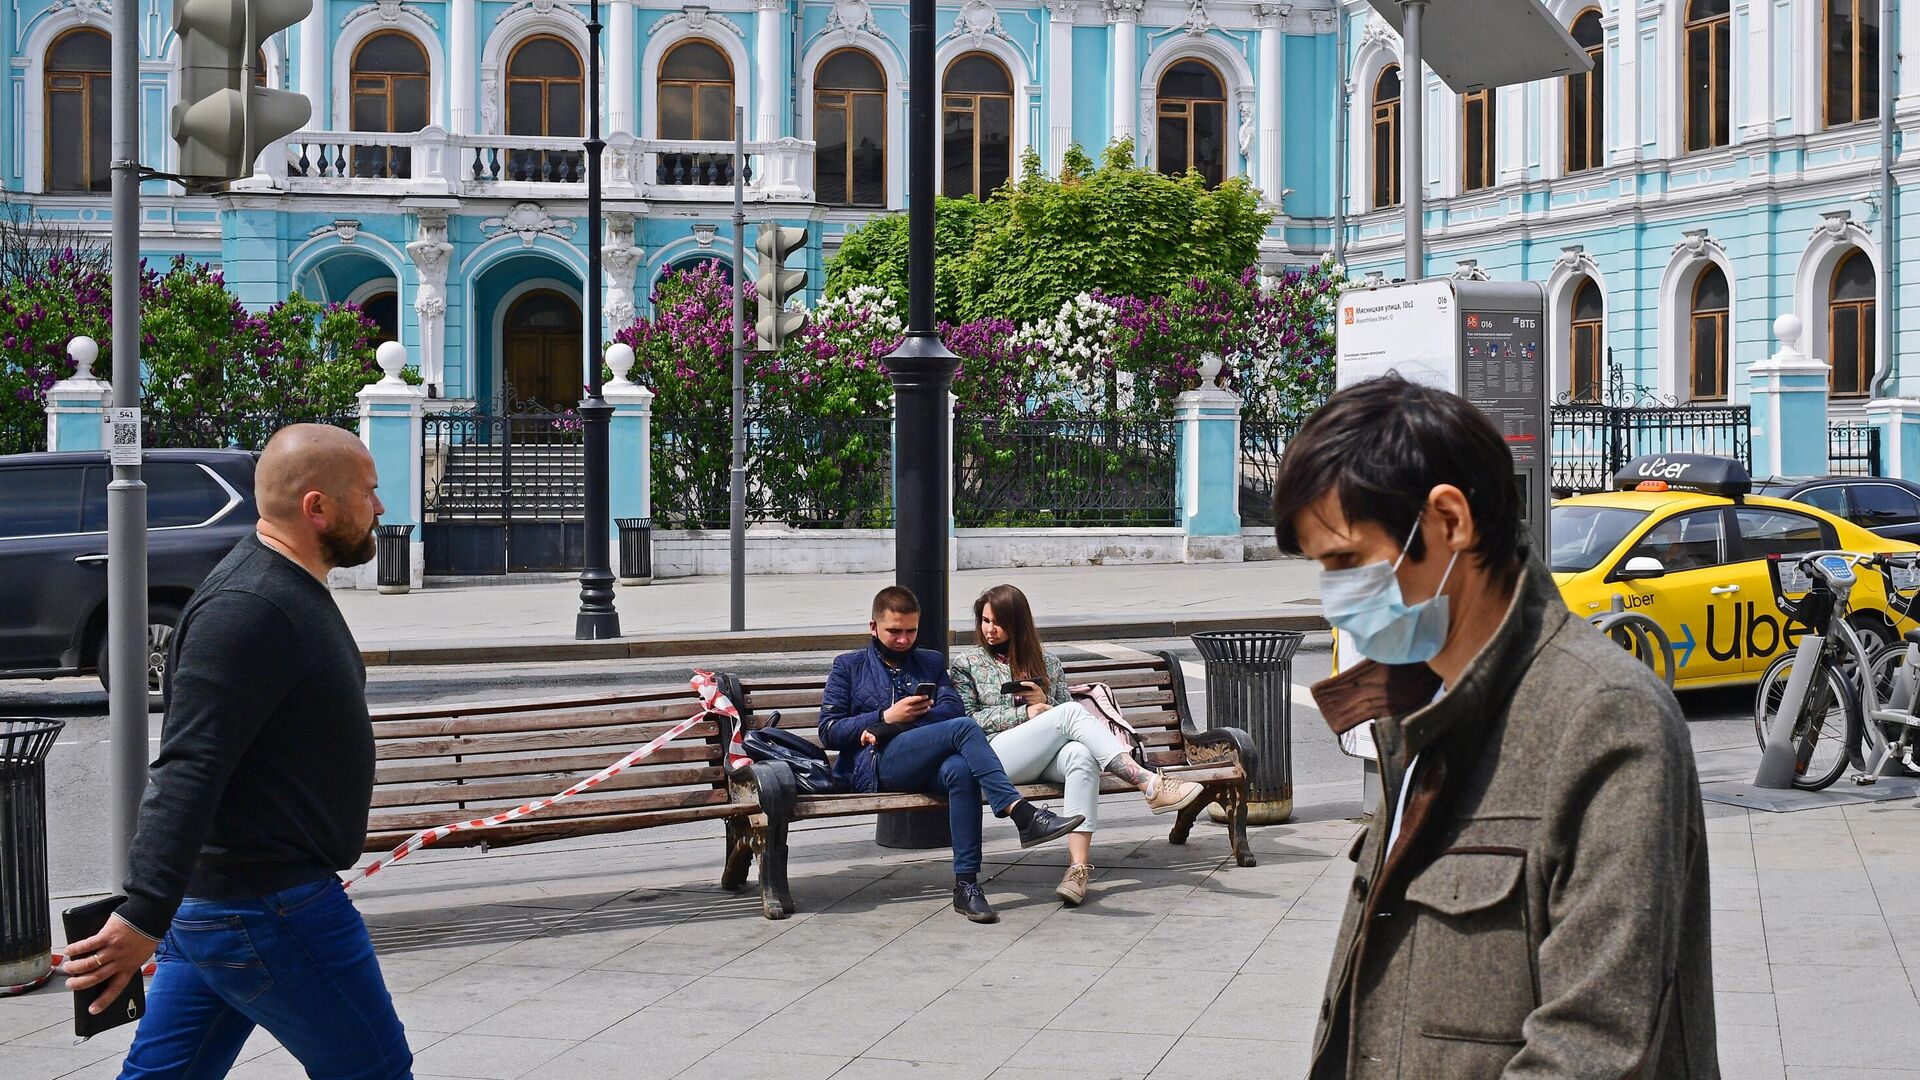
<point x="222" y="119"/>
<point x="776" y="284"/>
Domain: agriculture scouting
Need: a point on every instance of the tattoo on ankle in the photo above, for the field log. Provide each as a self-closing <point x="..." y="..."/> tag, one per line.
<point x="1124" y="767"/>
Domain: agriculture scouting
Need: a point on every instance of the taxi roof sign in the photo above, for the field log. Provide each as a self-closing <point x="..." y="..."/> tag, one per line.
<point x="1686" y="472"/>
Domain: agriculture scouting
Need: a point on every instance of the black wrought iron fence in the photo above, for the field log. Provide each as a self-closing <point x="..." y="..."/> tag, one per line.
<point x="1063" y="472"/>
<point x="804" y="472"/>
<point x="1261" y="444"/>
<point x="1853" y="449"/>
<point x="230" y="431"/>
<point x="485" y="465"/>
<point x="1591" y="442"/>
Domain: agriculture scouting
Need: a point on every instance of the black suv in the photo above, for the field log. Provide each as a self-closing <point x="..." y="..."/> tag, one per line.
<point x="1888" y="506"/>
<point x="53" y="551"/>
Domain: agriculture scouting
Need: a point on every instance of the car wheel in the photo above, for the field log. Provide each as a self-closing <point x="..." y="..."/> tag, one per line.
<point x="161" y="619"/>
<point x="1874" y="631"/>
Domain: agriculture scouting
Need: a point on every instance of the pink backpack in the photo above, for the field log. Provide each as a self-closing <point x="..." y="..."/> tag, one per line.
<point x="1098" y="699"/>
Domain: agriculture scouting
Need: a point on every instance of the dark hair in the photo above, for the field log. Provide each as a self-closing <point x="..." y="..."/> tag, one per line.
<point x="1025" y="658"/>
<point x="1381" y="446"/>
<point x="895" y="598"/>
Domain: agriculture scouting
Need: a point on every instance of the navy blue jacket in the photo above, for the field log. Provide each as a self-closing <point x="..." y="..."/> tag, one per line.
<point x="858" y="691"/>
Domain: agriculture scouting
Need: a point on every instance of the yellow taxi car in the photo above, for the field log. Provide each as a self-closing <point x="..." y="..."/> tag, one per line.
<point x="1681" y="541"/>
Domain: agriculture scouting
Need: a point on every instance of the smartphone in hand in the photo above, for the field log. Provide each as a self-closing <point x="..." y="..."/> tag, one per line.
<point x="927" y="689"/>
<point x="1013" y="687"/>
<point x="84" y="922"/>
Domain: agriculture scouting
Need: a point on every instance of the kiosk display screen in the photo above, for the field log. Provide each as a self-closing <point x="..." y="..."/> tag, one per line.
<point x="1502" y="373"/>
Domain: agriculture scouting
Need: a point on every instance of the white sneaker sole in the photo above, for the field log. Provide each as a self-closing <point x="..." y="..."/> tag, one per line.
<point x="1195" y="792"/>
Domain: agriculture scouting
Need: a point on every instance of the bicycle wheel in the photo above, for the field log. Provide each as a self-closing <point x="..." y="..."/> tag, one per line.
<point x="1828" y="727"/>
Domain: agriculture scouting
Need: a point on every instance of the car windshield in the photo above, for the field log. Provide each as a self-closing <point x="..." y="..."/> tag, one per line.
<point x="1584" y="535"/>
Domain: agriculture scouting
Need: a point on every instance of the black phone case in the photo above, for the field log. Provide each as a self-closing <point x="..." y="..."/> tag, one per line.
<point x="1012" y="687"/>
<point x="927" y="689"/>
<point x="83" y="922"/>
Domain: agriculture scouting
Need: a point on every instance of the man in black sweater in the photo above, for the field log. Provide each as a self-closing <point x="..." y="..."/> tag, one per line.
<point x="258" y="797"/>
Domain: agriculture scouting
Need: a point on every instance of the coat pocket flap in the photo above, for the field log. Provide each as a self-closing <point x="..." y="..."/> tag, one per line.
<point x="1459" y="883"/>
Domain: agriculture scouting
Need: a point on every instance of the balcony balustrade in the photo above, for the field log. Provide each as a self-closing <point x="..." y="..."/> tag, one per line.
<point x="437" y="162"/>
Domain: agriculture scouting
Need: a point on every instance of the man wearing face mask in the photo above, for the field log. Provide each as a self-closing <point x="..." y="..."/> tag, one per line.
<point x="1531" y="898"/>
<point x="891" y="711"/>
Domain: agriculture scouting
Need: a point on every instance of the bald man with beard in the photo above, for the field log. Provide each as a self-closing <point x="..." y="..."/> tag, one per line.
<point x="258" y="798"/>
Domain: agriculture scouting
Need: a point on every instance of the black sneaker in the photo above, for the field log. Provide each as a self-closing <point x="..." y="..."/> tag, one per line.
<point x="970" y="901"/>
<point x="1047" y="825"/>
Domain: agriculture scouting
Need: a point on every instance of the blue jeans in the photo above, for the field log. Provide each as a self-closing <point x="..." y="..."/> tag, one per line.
<point x="297" y="962"/>
<point x="950" y="760"/>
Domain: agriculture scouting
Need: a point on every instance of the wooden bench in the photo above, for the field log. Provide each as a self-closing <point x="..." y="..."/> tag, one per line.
<point x="1151" y="691"/>
<point x="435" y="764"/>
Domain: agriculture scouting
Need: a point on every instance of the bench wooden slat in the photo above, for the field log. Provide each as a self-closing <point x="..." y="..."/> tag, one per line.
<point x="663" y="697"/>
<point x="636" y="735"/>
<point x="585" y="806"/>
<point x="528" y="830"/>
<point x="516" y="722"/>
<point x="555" y="765"/>
<point x="517" y="788"/>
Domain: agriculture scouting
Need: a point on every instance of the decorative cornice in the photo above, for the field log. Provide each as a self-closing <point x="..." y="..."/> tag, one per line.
<point x="389" y="12"/>
<point x="531" y="221"/>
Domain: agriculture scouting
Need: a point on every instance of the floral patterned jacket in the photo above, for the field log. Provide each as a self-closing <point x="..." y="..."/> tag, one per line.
<point x="978" y="676"/>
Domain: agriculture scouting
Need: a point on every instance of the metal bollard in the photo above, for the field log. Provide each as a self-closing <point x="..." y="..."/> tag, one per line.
<point x="1250" y="686"/>
<point x="26" y="932"/>
<point x="394" y="558"/>
<point x="636" y="550"/>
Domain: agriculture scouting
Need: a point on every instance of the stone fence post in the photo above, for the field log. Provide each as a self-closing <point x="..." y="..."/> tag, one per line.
<point x="1207" y="489"/>
<point x="1789" y="398"/>
<point x="77" y="407"/>
<point x="392" y="423"/>
<point x="629" y="444"/>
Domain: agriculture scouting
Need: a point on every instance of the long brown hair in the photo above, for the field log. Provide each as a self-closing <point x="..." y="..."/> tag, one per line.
<point x="1025" y="659"/>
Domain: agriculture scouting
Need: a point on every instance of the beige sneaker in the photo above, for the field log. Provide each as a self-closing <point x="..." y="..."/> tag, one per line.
<point x="1170" y="795"/>
<point x="1073" y="887"/>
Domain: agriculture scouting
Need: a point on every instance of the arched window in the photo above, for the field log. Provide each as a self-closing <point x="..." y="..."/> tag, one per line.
<point x="1850" y="325"/>
<point x="259" y="67"/>
<point x="389" y="94"/>
<point x="1193" y="121"/>
<point x="1386" y="137"/>
<point x="79" y="107"/>
<point x="976" y="126"/>
<point x="696" y="93"/>
<point x="1587" y="98"/>
<point x="1707" y="354"/>
<point x="383" y="310"/>
<point x="1478" y="158"/>
<point x="1709" y="74"/>
<point x="850" y="130"/>
<point x="545" y="92"/>
<point x="1586" y="351"/>
<point x="1853" y="60"/>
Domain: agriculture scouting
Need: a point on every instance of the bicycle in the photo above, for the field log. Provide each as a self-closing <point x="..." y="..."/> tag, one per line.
<point x="1889" y="737"/>
<point x="1814" y="684"/>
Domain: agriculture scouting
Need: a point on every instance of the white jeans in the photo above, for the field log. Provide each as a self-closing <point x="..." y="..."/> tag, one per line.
<point x="1066" y="745"/>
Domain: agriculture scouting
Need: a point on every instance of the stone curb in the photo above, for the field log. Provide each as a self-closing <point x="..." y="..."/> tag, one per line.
<point x="814" y="639"/>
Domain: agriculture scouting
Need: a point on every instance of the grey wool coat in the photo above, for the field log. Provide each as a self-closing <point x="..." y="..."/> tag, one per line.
<point x="1544" y="914"/>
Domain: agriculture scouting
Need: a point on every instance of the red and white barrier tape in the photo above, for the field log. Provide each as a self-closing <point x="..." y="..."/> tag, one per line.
<point x="58" y="959"/>
<point x="711" y="701"/>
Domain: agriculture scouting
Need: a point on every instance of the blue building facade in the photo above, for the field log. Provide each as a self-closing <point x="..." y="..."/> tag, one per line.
<point x="1718" y="169"/>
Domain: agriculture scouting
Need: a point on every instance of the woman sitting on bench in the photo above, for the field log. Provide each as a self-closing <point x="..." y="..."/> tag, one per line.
<point x="1039" y="733"/>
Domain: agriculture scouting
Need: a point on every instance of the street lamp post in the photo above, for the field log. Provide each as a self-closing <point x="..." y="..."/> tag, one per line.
<point x="921" y="368"/>
<point x="597" y="618"/>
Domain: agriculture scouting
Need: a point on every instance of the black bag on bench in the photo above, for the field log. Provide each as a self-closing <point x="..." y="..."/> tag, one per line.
<point x="808" y="762"/>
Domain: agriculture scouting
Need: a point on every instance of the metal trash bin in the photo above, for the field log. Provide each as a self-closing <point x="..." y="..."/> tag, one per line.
<point x="1250" y="686"/>
<point x="394" y="557"/>
<point x="26" y="931"/>
<point x="636" y="550"/>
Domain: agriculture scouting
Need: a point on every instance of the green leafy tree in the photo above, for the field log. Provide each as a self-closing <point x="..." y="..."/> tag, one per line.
<point x="875" y="255"/>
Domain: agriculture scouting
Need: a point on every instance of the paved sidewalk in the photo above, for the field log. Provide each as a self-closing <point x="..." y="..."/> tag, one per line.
<point x="619" y="957"/>
<point x="786" y="612"/>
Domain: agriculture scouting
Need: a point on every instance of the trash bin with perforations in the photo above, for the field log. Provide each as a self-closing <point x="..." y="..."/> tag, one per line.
<point x="26" y="930"/>
<point x="1250" y="686"/>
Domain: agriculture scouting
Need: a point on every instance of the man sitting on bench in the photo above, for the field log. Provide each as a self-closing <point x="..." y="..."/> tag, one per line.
<point x="899" y="726"/>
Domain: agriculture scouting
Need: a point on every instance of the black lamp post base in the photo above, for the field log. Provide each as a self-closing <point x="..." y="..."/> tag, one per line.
<point x="596" y="626"/>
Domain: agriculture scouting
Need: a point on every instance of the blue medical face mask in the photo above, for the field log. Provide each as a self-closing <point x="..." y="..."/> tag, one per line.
<point x="1366" y="604"/>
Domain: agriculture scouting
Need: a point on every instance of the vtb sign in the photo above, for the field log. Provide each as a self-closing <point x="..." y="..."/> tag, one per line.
<point x="222" y="119"/>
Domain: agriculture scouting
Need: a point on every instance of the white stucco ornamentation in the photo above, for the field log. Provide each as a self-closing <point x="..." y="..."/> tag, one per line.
<point x="1248" y="127"/>
<point x="849" y="18"/>
<point x="619" y="256"/>
<point x="88" y="12"/>
<point x="978" y="21"/>
<point x="1699" y="245"/>
<point x="347" y="229"/>
<point x="699" y="20"/>
<point x="1199" y="20"/>
<point x="531" y="221"/>
<point x="1377" y="32"/>
<point x="389" y="12"/>
<point x="431" y="255"/>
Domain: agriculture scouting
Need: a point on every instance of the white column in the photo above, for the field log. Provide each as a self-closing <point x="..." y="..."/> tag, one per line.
<point x="1267" y="171"/>
<point x="770" y="72"/>
<point x="1060" y="80"/>
<point x="1124" y="15"/>
<point x="431" y="253"/>
<point x="1907" y="90"/>
<point x="622" y="62"/>
<point x="1757" y="118"/>
<point x="462" y="81"/>
<point x="313" y="64"/>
